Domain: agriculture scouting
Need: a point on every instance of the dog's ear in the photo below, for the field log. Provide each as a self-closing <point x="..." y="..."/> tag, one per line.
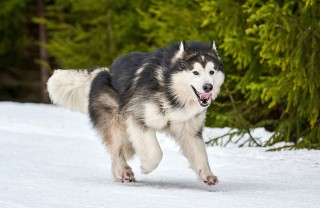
<point x="183" y="46"/>
<point x="213" y="45"/>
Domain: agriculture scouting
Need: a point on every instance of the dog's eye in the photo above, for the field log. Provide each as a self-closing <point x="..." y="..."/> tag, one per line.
<point x="195" y="73"/>
<point x="211" y="72"/>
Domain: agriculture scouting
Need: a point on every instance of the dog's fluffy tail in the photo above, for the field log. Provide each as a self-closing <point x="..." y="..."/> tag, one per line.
<point x="71" y="88"/>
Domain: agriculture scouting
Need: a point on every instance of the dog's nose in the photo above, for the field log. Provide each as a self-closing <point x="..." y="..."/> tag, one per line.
<point x="207" y="87"/>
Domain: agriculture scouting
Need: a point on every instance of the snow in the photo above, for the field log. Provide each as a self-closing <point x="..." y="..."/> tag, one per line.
<point x="51" y="157"/>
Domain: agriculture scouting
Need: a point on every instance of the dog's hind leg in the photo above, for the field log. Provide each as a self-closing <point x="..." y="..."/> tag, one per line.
<point x="111" y="128"/>
<point x="145" y="145"/>
<point x="120" y="168"/>
<point x="105" y="116"/>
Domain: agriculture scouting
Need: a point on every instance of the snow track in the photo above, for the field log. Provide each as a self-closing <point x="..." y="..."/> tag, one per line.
<point x="50" y="157"/>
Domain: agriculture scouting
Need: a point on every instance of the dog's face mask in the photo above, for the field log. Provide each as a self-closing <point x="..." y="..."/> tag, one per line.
<point x="206" y="82"/>
<point x="201" y="76"/>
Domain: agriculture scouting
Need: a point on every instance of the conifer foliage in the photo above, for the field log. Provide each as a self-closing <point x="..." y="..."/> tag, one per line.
<point x="275" y="47"/>
<point x="270" y="49"/>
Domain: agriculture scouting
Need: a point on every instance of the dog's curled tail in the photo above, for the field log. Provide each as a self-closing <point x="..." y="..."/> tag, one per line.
<point x="70" y="88"/>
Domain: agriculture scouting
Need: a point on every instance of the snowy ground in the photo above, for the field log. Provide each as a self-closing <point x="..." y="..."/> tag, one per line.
<point x="50" y="157"/>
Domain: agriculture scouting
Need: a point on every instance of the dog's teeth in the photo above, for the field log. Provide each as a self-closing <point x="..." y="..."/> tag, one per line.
<point x="204" y="101"/>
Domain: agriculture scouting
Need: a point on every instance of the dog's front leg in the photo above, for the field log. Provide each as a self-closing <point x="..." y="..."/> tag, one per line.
<point x="193" y="148"/>
<point x="145" y="144"/>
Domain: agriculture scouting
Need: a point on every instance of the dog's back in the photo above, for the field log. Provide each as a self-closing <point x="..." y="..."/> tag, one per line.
<point x="124" y="68"/>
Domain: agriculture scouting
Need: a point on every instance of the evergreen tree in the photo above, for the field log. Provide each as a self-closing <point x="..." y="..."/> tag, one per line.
<point x="270" y="49"/>
<point x="275" y="45"/>
<point x="90" y="33"/>
<point x="18" y="70"/>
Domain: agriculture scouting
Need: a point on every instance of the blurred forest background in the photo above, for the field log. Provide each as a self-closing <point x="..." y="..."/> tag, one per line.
<point x="270" y="48"/>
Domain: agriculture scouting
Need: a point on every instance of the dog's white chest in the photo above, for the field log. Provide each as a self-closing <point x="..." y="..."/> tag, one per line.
<point x="153" y="117"/>
<point x="158" y="120"/>
<point x="184" y="114"/>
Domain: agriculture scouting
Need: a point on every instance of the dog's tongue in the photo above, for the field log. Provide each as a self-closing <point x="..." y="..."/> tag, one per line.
<point x="206" y="96"/>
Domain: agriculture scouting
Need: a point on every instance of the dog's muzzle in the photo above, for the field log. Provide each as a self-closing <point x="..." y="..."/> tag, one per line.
<point x="203" y="98"/>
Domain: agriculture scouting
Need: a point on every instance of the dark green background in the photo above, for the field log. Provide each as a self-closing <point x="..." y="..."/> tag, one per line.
<point x="271" y="52"/>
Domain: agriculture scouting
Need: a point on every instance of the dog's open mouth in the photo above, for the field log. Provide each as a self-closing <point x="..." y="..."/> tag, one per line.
<point x="203" y="98"/>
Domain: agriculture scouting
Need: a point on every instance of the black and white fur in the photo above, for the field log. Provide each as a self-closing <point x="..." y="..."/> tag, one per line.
<point x="166" y="90"/>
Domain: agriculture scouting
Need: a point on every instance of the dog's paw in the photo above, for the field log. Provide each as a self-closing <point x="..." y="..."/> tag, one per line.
<point x="208" y="178"/>
<point x="149" y="165"/>
<point x="125" y="175"/>
<point x="128" y="175"/>
<point x="211" y="180"/>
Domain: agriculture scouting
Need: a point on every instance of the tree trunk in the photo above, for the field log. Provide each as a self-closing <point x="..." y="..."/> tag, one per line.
<point x="43" y="54"/>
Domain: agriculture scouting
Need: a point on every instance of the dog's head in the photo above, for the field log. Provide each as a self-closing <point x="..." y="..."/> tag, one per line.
<point x="198" y="73"/>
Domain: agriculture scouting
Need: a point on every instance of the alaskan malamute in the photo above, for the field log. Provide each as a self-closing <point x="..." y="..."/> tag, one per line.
<point x="165" y="90"/>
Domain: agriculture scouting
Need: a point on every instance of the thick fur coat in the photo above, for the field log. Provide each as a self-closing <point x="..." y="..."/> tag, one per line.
<point x="167" y="90"/>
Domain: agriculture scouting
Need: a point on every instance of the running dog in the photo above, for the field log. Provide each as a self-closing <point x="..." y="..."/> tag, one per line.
<point x="166" y="90"/>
